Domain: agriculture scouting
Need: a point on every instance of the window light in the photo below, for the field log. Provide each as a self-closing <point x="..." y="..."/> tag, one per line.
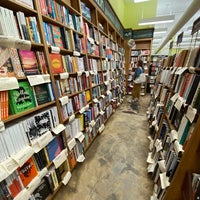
<point x="160" y="30"/>
<point x="156" y="20"/>
<point x="139" y="1"/>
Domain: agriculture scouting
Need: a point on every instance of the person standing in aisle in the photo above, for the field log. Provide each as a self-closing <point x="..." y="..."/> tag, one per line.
<point x="137" y="86"/>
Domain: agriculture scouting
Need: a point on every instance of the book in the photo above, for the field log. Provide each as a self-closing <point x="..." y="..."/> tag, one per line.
<point x="56" y="63"/>
<point x="21" y="99"/>
<point x="64" y="86"/>
<point x="42" y="191"/>
<point x="3" y="105"/>
<point x="41" y="93"/>
<point x="57" y="36"/>
<point x="29" y="62"/>
<point x="54" y="148"/>
<point x="27" y="172"/>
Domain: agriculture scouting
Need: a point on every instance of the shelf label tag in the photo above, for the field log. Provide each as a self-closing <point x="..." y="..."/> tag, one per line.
<point x="66" y="178"/>
<point x="92" y="123"/>
<point x="64" y="75"/>
<point x="55" y="50"/>
<point x="10" y="165"/>
<point x="95" y="100"/>
<point x="102" y="127"/>
<point x="60" y="159"/>
<point x="8" y="83"/>
<point x="64" y="100"/>
<point x="80" y="136"/>
<point x="76" y="53"/>
<point x="81" y="158"/>
<point x="87" y="73"/>
<point x="82" y="110"/>
<point x="191" y="113"/>
<point x="71" y="118"/>
<point x="22" y="156"/>
<point x="22" y="44"/>
<point x="35" y="79"/>
<point x="164" y="180"/>
<point x="58" y="129"/>
<point x="71" y="144"/>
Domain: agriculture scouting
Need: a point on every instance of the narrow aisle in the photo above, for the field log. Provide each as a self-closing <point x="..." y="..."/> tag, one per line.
<point x="115" y="165"/>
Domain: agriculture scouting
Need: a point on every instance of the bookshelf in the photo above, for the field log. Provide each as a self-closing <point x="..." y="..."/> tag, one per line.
<point x="174" y="120"/>
<point x="63" y="62"/>
<point x="141" y="51"/>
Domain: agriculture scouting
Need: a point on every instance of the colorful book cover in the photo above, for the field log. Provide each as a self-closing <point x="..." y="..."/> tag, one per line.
<point x="64" y="85"/>
<point x="6" y="66"/>
<point x="56" y="63"/>
<point x="27" y="172"/>
<point x="29" y="62"/>
<point x="57" y="36"/>
<point x="54" y="148"/>
<point x="42" y="94"/>
<point x="21" y="99"/>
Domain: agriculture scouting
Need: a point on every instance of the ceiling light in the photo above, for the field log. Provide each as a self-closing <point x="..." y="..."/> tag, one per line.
<point x="160" y="30"/>
<point x="139" y="1"/>
<point x="156" y="20"/>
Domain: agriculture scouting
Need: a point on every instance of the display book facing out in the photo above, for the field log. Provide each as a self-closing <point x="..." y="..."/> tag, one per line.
<point x="173" y="116"/>
<point x="59" y="93"/>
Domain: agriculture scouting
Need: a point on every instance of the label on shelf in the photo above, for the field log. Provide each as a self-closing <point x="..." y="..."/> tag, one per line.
<point x="79" y="73"/>
<point x="33" y="184"/>
<point x="102" y="127"/>
<point x="164" y="179"/>
<point x="55" y="49"/>
<point x="82" y="110"/>
<point x="173" y="135"/>
<point x="35" y="79"/>
<point x="64" y="100"/>
<point x="22" y="44"/>
<point x="95" y="100"/>
<point x="151" y="167"/>
<point x="91" y="72"/>
<point x="162" y="167"/>
<point x="150" y="159"/>
<point x="66" y="178"/>
<point x="108" y="92"/>
<point x="174" y="97"/>
<point x="42" y="141"/>
<point x="87" y="107"/>
<point x="71" y="144"/>
<point x="87" y="73"/>
<point x="95" y="72"/>
<point x="92" y="123"/>
<point x="158" y="145"/>
<point x="103" y="96"/>
<point x="2" y="126"/>
<point x="80" y="136"/>
<point x="58" y="129"/>
<point x="8" y="83"/>
<point x="76" y="53"/>
<point x="46" y="78"/>
<point x="177" y="147"/>
<point x="191" y="113"/>
<point x="91" y="40"/>
<point x="81" y="158"/>
<point x="24" y="194"/>
<point x="106" y="82"/>
<point x="10" y="165"/>
<point x="4" y="174"/>
<point x="102" y="112"/>
<point x="22" y="156"/>
<point x="71" y="118"/>
<point x="64" y="75"/>
<point x="61" y="158"/>
<point x="43" y="172"/>
<point x="180" y="101"/>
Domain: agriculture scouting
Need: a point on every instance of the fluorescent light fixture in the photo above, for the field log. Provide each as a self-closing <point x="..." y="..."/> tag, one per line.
<point x="139" y="1"/>
<point x="156" y="20"/>
<point x="160" y="30"/>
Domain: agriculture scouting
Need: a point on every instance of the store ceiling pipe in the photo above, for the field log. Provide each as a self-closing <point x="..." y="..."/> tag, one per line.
<point x="192" y="9"/>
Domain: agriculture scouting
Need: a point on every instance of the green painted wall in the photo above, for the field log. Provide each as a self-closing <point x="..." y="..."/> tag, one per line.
<point x="129" y="12"/>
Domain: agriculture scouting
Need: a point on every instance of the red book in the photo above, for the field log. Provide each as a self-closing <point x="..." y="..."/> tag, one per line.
<point x="27" y="172"/>
<point x="56" y="63"/>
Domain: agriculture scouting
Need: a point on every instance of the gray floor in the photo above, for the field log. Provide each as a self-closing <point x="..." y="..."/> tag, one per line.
<point x="115" y="164"/>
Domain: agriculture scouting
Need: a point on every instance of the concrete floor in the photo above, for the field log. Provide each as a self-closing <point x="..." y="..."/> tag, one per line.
<point x="115" y="164"/>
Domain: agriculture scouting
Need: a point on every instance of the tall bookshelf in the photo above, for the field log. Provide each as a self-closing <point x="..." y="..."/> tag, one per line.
<point x="174" y="120"/>
<point x="74" y="83"/>
<point x="141" y="51"/>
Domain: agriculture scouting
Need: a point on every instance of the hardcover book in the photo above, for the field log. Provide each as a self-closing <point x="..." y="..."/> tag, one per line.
<point x="54" y="148"/>
<point x="21" y="99"/>
<point x="27" y="172"/>
<point x="56" y="63"/>
<point x="42" y="94"/>
<point x="57" y="36"/>
<point x="29" y="62"/>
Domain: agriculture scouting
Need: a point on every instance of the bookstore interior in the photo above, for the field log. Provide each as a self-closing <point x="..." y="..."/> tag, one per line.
<point x="65" y="68"/>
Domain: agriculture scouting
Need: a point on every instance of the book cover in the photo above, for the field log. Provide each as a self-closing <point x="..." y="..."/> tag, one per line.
<point x="54" y="148"/>
<point x="57" y="36"/>
<point x="3" y="105"/>
<point x="21" y="99"/>
<point x="29" y="62"/>
<point x="56" y="63"/>
<point x="6" y="66"/>
<point x="42" y="191"/>
<point x="27" y="172"/>
<point x="64" y="86"/>
<point x="42" y="94"/>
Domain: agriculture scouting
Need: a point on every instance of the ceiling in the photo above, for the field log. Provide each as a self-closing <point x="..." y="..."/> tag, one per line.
<point x="129" y="13"/>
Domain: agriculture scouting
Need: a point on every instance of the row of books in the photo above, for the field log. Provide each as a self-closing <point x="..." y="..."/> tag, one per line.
<point x="18" y="25"/>
<point x="61" y="14"/>
<point x="22" y="62"/>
